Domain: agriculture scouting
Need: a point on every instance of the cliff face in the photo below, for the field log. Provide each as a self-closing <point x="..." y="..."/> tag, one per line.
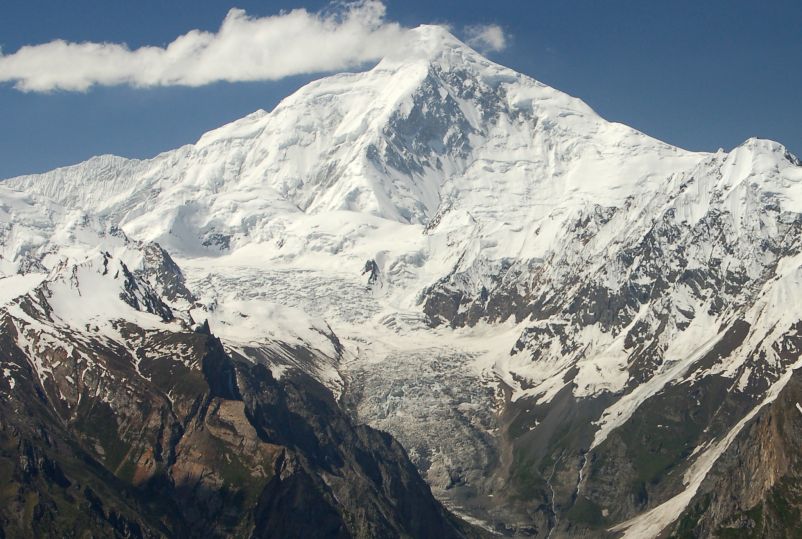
<point x="120" y="419"/>
<point x="208" y="445"/>
<point x="755" y="489"/>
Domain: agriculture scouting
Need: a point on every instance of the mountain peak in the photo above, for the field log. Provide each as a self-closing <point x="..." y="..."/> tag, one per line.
<point x="423" y="132"/>
<point x="436" y="45"/>
<point x="435" y="40"/>
<point x="756" y="145"/>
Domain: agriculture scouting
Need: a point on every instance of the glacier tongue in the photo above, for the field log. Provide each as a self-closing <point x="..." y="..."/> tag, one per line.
<point x="530" y="266"/>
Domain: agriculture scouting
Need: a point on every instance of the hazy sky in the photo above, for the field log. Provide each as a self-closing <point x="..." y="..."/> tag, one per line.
<point x="138" y="78"/>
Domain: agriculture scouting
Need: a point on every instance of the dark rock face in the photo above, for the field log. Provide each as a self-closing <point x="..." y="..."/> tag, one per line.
<point x="142" y="297"/>
<point x="371" y="269"/>
<point x="188" y="441"/>
<point x="216" y="240"/>
<point x="165" y="275"/>
<point x="755" y="488"/>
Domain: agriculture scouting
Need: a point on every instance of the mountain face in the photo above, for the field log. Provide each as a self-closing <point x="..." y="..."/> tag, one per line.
<point x="121" y="417"/>
<point x="570" y="329"/>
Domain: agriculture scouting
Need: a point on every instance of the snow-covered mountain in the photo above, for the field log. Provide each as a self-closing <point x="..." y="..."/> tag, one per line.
<point x="574" y="329"/>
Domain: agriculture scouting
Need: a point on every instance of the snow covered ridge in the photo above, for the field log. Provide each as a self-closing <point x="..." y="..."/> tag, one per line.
<point x="516" y="242"/>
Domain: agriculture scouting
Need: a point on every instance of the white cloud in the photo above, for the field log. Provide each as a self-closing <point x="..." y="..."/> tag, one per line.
<point x="243" y="49"/>
<point x="486" y="37"/>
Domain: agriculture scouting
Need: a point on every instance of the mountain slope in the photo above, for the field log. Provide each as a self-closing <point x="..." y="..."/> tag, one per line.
<point x="438" y="128"/>
<point x="119" y="419"/>
<point x="569" y="325"/>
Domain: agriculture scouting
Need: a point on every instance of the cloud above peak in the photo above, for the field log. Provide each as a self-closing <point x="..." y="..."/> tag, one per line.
<point x="245" y="48"/>
<point x="486" y="37"/>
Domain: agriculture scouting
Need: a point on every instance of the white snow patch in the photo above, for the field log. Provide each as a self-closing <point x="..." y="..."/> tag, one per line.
<point x="14" y="286"/>
<point x="7" y="375"/>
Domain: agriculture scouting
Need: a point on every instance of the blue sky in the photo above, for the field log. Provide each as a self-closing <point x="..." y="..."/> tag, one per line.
<point x="701" y="75"/>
